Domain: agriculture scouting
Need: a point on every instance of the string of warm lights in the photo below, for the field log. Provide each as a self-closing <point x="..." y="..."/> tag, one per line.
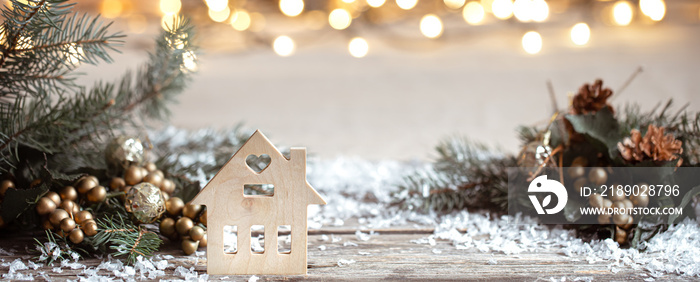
<point x="290" y="16"/>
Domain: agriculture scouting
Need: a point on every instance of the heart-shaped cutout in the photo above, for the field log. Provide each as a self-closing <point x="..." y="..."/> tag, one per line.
<point x="258" y="163"/>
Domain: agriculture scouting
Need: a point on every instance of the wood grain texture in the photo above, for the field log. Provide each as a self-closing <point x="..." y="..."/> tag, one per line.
<point x="389" y="257"/>
<point x="227" y="205"/>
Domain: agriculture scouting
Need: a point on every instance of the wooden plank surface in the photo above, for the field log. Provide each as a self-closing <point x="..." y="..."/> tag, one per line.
<point x="390" y="255"/>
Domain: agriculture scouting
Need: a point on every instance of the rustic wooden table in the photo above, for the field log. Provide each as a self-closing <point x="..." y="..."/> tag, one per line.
<point x="389" y="254"/>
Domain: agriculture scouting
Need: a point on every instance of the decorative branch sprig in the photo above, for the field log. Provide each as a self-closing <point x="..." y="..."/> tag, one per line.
<point x="125" y="238"/>
<point x="466" y="175"/>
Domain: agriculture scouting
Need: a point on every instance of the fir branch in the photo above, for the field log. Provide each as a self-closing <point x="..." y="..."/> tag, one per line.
<point x="466" y="175"/>
<point x="125" y="239"/>
<point x="56" y="248"/>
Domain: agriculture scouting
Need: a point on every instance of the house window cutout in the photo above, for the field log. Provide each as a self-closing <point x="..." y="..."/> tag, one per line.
<point x="257" y="239"/>
<point x="267" y="190"/>
<point x="230" y="239"/>
<point x="258" y="163"/>
<point x="284" y="239"/>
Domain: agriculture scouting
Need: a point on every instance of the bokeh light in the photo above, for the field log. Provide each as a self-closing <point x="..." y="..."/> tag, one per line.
<point x="539" y="10"/>
<point x="502" y="9"/>
<point x="111" y="8"/>
<point x="240" y="20"/>
<point x="431" y="26"/>
<point x="522" y="10"/>
<point x="473" y="12"/>
<point x="170" y="7"/>
<point x="283" y="46"/>
<point x="217" y="5"/>
<point x="654" y="9"/>
<point x="189" y="61"/>
<point x="375" y="3"/>
<point x="167" y="21"/>
<point x="487" y="4"/>
<point x="75" y="54"/>
<point x="580" y="34"/>
<point x="291" y="8"/>
<point x="358" y="47"/>
<point x="622" y="13"/>
<point x="220" y="16"/>
<point x="454" y="4"/>
<point x="339" y="19"/>
<point x="406" y="4"/>
<point x="532" y="42"/>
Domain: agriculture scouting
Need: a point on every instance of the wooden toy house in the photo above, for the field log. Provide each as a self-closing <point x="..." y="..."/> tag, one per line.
<point x="228" y="205"/>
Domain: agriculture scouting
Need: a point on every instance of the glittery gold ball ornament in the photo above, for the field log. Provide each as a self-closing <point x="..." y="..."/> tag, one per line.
<point x="124" y="151"/>
<point x="145" y="202"/>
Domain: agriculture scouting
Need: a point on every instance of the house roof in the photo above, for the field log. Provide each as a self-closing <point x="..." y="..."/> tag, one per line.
<point x="255" y="145"/>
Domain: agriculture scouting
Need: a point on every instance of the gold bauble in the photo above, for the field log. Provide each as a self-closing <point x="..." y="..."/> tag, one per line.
<point x="45" y="206"/>
<point x="46" y="224"/>
<point x="174" y="206"/>
<point x="604" y="219"/>
<point x="144" y="172"/>
<point x="183" y="225"/>
<point x="166" y="196"/>
<point x="76" y="236"/>
<point x="628" y="205"/>
<point x="620" y="219"/>
<point x="580" y="182"/>
<point x="189" y="246"/>
<point x="154" y="179"/>
<point x="85" y="184"/>
<point x="620" y="236"/>
<point x="123" y="151"/>
<point x="145" y="202"/>
<point x="168" y="186"/>
<point x="83" y="216"/>
<point x="70" y="206"/>
<point x="597" y="176"/>
<point x="159" y="173"/>
<point x="97" y="194"/>
<point x="133" y="175"/>
<point x="89" y="227"/>
<point x="576" y="171"/>
<point x="628" y="225"/>
<point x="596" y="200"/>
<point x="167" y="227"/>
<point x="67" y="224"/>
<point x="4" y="185"/>
<point x="580" y="161"/>
<point x="56" y="217"/>
<point x="150" y="167"/>
<point x="607" y="203"/>
<point x="641" y="200"/>
<point x="191" y="211"/>
<point x="54" y="197"/>
<point x="203" y="218"/>
<point x="616" y="192"/>
<point x="196" y="233"/>
<point x="203" y="241"/>
<point x="116" y="184"/>
<point x="68" y="193"/>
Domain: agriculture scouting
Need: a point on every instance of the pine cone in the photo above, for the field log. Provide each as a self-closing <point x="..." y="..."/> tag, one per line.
<point x="655" y="145"/>
<point x="591" y="98"/>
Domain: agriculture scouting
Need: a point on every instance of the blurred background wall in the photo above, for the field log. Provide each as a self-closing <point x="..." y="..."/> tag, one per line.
<point x="407" y="91"/>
